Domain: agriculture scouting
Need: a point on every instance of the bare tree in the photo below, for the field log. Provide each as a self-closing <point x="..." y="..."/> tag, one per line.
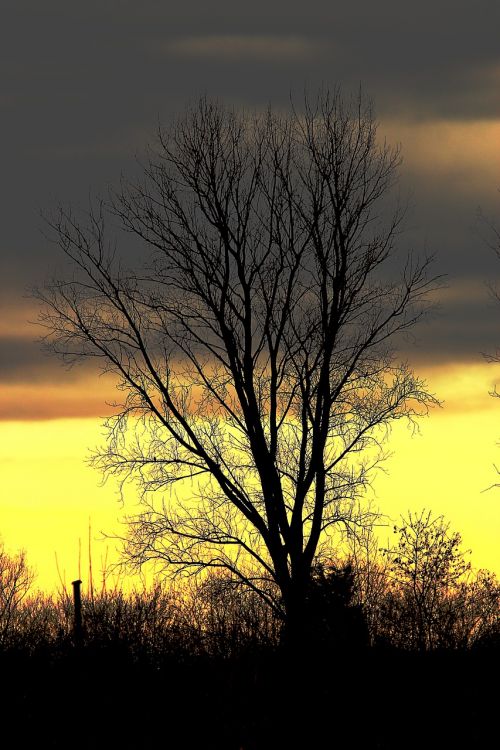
<point x="477" y="610"/>
<point x="427" y="567"/>
<point x="16" y="579"/>
<point x="372" y="581"/>
<point x="253" y="345"/>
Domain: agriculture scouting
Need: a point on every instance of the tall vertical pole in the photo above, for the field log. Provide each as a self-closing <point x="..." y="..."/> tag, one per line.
<point x="77" y="622"/>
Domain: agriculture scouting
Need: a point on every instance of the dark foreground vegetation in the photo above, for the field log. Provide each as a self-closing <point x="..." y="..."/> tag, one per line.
<point x="401" y="650"/>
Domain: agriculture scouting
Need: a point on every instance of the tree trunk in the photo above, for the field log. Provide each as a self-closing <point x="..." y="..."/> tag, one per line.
<point x="296" y="629"/>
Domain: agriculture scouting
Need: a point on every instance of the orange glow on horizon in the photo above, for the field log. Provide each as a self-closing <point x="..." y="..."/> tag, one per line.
<point x="79" y="400"/>
<point x="465" y="150"/>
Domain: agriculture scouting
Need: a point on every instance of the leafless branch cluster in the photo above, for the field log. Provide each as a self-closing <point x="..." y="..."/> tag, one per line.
<point x="253" y="343"/>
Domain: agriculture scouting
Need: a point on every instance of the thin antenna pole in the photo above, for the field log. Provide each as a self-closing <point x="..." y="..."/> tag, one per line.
<point x="77" y="622"/>
<point x="91" y="575"/>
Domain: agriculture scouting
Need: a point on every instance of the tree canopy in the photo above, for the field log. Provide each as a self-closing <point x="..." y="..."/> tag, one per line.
<point x="252" y="336"/>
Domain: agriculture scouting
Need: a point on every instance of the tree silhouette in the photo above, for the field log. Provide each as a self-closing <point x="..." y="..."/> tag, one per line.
<point x="427" y="566"/>
<point x="16" y="579"/>
<point x="335" y="620"/>
<point x="253" y="342"/>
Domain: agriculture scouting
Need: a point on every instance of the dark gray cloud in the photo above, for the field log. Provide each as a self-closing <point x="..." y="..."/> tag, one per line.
<point x="82" y="87"/>
<point x="462" y="328"/>
<point x="22" y="362"/>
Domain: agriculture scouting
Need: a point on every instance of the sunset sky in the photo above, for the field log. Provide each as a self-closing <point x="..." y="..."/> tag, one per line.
<point x="83" y="87"/>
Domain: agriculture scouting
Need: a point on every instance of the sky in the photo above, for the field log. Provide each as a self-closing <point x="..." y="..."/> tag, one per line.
<point x="82" y="89"/>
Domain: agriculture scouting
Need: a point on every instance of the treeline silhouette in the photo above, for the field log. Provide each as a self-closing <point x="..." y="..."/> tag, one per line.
<point x="401" y="650"/>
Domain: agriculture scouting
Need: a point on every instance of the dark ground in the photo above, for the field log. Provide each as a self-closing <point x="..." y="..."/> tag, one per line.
<point x="376" y="699"/>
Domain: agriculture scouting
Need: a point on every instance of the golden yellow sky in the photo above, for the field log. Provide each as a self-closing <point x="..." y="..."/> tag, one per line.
<point x="49" y="493"/>
<point x="450" y="465"/>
